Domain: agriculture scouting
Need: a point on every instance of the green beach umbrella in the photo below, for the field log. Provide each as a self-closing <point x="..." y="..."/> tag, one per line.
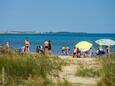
<point x="83" y="45"/>
<point x="105" y="42"/>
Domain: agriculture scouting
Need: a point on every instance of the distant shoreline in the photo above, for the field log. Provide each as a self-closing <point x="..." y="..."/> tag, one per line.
<point x="29" y="32"/>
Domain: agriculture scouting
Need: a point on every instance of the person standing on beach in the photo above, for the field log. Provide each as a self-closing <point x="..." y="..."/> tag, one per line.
<point x="27" y="45"/>
<point x="78" y="53"/>
<point x="7" y="45"/>
<point x="67" y="51"/>
<point x="107" y="50"/>
<point x="49" y="47"/>
<point x="46" y="46"/>
<point x="90" y="52"/>
<point x="74" y="52"/>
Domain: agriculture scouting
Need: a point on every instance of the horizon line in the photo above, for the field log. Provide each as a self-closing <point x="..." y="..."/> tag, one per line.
<point x="30" y="32"/>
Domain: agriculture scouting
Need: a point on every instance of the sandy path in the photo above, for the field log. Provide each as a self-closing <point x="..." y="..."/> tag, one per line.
<point x="68" y="73"/>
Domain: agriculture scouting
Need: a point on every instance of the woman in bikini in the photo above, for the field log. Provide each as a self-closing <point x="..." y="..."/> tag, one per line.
<point x="27" y="45"/>
<point x="46" y="46"/>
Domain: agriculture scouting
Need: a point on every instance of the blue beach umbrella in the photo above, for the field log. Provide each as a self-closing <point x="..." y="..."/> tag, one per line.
<point x="105" y="42"/>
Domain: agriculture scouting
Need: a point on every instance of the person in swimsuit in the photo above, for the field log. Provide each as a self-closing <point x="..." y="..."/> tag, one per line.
<point x="49" y="47"/>
<point x="27" y="45"/>
<point x="46" y="46"/>
<point x="78" y="53"/>
<point x="100" y="50"/>
<point x="74" y="52"/>
<point x="107" y="50"/>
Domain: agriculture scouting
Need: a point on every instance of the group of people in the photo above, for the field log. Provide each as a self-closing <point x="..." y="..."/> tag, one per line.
<point x="44" y="49"/>
<point x="100" y="51"/>
<point x="76" y="52"/>
<point x="90" y="53"/>
<point x="65" y="50"/>
<point x="40" y="49"/>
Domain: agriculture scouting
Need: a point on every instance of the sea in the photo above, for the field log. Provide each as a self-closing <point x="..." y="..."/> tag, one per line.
<point x="58" y="40"/>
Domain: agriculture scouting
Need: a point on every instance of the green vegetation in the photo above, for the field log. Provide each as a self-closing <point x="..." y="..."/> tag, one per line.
<point x="108" y="72"/>
<point x="28" y="70"/>
<point x="34" y="70"/>
<point x="89" y="69"/>
<point x="88" y="73"/>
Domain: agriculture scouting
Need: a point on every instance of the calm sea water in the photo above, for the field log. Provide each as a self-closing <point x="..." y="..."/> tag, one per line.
<point x="57" y="40"/>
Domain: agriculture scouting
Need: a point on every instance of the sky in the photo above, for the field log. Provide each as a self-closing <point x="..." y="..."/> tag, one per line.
<point x="91" y="16"/>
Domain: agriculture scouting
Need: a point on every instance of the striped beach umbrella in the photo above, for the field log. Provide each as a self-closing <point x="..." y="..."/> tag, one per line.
<point x="83" y="45"/>
<point x="105" y="42"/>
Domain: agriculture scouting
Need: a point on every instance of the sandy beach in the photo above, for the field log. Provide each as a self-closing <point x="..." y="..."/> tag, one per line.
<point x="78" y="59"/>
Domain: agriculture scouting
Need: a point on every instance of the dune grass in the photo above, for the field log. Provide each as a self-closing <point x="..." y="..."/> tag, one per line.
<point x="108" y="72"/>
<point x="27" y="70"/>
<point x="88" y="73"/>
<point x="33" y="70"/>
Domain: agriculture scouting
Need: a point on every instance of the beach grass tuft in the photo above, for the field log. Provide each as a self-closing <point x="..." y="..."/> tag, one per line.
<point x="88" y="73"/>
<point x="27" y="69"/>
<point x="108" y="72"/>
